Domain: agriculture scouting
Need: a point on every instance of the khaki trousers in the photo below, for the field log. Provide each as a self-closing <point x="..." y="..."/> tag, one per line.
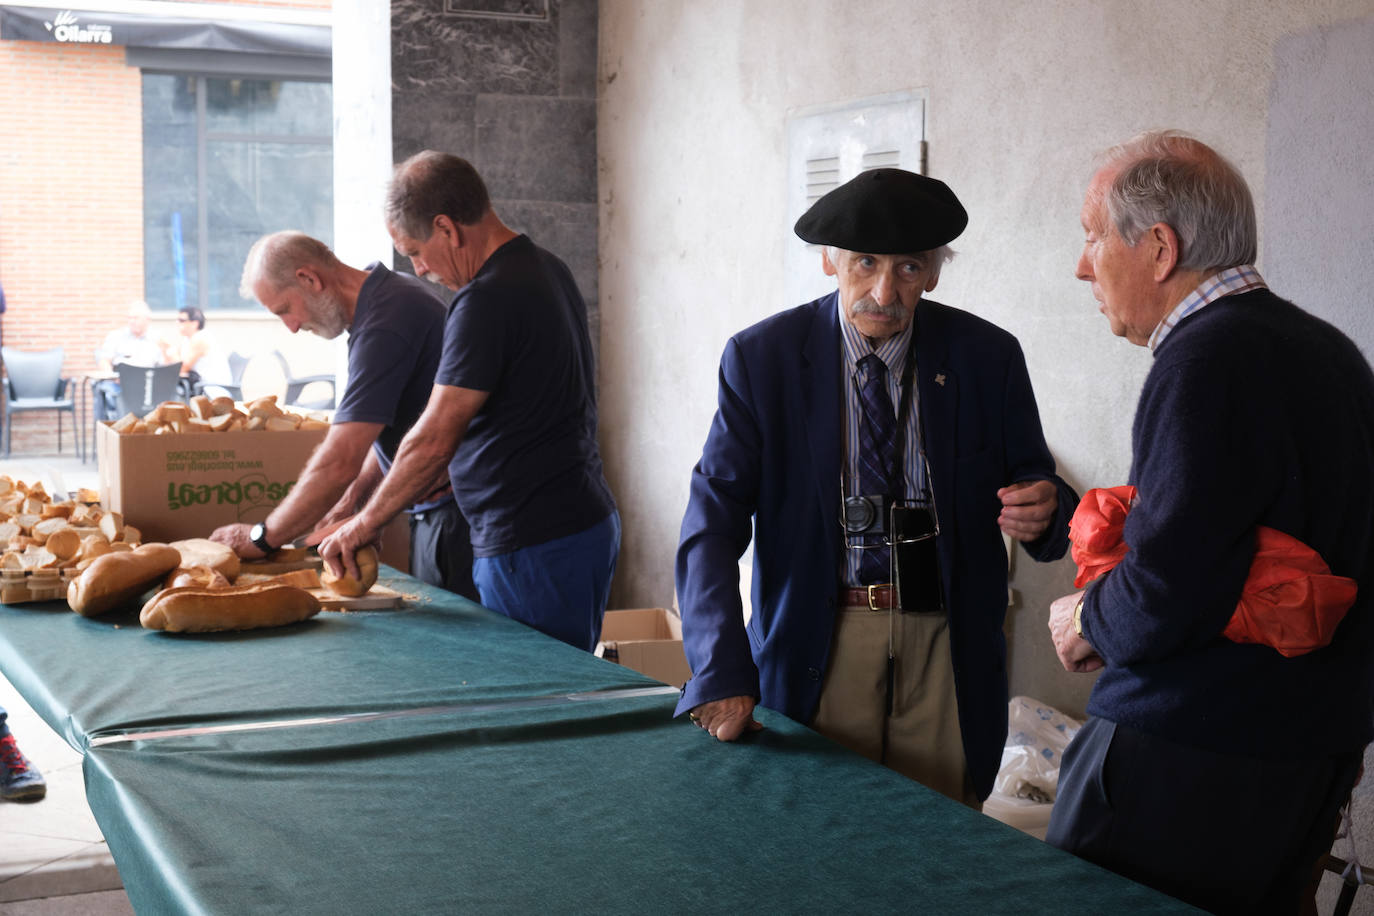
<point x="922" y="734"/>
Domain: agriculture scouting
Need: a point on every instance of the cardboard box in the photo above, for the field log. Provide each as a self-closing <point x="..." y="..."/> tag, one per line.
<point x="185" y="486"/>
<point x="649" y="640"/>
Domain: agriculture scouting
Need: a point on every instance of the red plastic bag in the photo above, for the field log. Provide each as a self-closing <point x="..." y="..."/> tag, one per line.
<point x="1290" y="601"/>
<point x="1095" y="531"/>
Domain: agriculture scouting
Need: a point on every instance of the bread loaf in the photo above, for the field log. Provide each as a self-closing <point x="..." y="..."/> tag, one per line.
<point x="118" y="578"/>
<point x="205" y="552"/>
<point x="238" y="607"/>
<point x="200" y="576"/>
<point x="346" y="585"/>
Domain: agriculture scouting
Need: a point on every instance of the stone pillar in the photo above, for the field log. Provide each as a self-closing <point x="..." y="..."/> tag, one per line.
<point x="509" y="85"/>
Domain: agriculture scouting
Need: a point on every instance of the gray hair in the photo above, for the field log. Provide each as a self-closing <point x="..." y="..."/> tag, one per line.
<point x="939" y="256"/>
<point x="429" y="184"/>
<point x="274" y="259"/>
<point x="1166" y="176"/>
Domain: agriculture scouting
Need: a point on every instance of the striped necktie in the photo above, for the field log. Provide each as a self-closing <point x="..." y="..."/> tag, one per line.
<point x="877" y="456"/>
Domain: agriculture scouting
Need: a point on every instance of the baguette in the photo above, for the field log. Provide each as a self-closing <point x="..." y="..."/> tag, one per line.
<point x="301" y="578"/>
<point x="118" y="578"/>
<point x="205" y="552"/>
<point x="198" y="576"/>
<point x="238" y="607"/>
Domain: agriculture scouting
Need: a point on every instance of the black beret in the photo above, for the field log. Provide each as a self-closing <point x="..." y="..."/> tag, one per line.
<point x="885" y="211"/>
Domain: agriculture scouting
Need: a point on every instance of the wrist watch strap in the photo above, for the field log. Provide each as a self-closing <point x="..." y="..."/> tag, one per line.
<point x="258" y="535"/>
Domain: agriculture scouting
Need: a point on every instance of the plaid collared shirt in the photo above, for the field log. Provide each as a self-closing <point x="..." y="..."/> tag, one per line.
<point x="1225" y="283"/>
<point x="893" y="352"/>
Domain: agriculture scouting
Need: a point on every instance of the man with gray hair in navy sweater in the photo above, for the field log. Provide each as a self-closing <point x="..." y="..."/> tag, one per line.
<point x="1211" y="768"/>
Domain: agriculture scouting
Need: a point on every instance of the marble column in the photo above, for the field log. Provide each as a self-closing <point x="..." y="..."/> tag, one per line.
<point x="509" y="85"/>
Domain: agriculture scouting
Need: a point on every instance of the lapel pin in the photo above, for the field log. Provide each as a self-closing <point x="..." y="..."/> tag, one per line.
<point x="940" y="379"/>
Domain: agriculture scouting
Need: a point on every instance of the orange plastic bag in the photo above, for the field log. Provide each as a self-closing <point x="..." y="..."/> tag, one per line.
<point x="1290" y="601"/>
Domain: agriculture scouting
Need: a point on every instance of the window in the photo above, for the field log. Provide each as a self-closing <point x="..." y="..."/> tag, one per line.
<point x="827" y="146"/>
<point x="226" y="160"/>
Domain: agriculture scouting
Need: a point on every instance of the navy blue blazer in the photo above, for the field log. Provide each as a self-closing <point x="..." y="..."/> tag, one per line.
<point x="770" y="469"/>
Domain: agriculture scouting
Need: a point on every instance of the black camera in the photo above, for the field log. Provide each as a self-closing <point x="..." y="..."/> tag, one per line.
<point x="865" y="515"/>
<point x="911" y="532"/>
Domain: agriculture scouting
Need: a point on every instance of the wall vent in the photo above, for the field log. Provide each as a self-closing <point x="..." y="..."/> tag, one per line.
<point x="827" y="146"/>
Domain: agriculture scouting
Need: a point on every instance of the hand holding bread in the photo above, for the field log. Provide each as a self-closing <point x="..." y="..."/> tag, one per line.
<point x="349" y="586"/>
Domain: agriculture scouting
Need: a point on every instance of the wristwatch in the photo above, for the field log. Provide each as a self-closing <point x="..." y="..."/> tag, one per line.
<point x="258" y="535"/>
<point x="1077" y="614"/>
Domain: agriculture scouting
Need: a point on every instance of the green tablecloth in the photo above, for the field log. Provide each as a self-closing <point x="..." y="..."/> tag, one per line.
<point x="502" y="797"/>
<point x="89" y="677"/>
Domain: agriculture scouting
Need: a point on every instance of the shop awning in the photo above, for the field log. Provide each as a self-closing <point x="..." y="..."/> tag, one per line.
<point x="139" y="30"/>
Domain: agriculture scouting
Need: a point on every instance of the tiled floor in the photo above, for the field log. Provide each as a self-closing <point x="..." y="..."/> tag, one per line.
<point x="53" y="860"/>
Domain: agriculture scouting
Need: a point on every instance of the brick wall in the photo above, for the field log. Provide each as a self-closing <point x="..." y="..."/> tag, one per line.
<point x="71" y="204"/>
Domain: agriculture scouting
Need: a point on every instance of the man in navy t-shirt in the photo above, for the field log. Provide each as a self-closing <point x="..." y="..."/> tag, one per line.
<point x="395" y="327"/>
<point x="513" y="414"/>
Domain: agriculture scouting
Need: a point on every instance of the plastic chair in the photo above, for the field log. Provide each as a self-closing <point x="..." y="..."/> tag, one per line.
<point x="295" y="385"/>
<point x="35" y="383"/>
<point x="238" y="364"/>
<point x="141" y="388"/>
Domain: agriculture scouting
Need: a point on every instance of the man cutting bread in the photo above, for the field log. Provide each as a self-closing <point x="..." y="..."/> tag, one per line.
<point x="395" y="324"/>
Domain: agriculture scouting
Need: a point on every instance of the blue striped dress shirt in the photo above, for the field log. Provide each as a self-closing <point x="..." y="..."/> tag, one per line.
<point x="893" y="352"/>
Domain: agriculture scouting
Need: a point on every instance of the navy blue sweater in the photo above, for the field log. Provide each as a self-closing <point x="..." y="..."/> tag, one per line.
<point x="1254" y="413"/>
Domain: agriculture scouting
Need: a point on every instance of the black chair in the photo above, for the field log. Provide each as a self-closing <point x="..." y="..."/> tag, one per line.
<point x="295" y="385"/>
<point x="141" y="388"/>
<point x="36" y="383"/>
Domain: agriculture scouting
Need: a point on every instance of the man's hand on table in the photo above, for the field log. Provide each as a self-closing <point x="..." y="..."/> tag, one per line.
<point x="727" y="719"/>
<point x="236" y="538"/>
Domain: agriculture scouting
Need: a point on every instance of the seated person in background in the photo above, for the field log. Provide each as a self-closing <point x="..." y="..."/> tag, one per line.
<point x="202" y="361"/>
<point x="132" y="343"/>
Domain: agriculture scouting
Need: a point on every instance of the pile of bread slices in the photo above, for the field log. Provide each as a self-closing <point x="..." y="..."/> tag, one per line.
<point x="75" y="549"/>
<point x="216" y="415"/>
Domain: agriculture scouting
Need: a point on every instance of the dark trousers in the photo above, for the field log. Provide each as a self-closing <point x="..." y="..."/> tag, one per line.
<point x="559" y="587"/>
<point x="1227" y="833"/>
<point x="105" y="400"/>
<point x="441" y="550"/>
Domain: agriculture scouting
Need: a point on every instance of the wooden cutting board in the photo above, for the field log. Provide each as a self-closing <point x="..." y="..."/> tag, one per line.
<point x="379" y="598"/>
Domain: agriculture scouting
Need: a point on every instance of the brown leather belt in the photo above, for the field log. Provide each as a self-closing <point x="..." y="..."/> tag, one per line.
<point x="873" y="597"/>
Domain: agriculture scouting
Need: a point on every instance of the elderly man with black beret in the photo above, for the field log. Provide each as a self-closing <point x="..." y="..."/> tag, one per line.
<point x="875" y="445"/>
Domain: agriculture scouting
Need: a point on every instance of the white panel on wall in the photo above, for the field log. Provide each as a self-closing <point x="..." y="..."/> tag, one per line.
<point x="830" y="144"/>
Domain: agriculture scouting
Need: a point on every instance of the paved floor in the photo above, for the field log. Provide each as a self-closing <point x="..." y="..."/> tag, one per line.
<point x="53" y="860"/>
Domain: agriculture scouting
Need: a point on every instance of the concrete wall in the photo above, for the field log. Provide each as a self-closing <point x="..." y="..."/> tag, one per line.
<point x="693" y="103"/>
<point x="694" y="97"/>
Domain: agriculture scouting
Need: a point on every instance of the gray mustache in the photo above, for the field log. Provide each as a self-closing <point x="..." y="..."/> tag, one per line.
<point x="867" y="306"/>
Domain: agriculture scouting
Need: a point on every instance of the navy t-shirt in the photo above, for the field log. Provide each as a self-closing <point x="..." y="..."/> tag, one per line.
<point x="528" y="469"/>
<point x="394" y="346"/>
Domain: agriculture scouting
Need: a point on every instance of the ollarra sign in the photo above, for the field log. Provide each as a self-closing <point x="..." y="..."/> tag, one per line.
<point x="65" y="26"/>
<point x="199" y="31"/>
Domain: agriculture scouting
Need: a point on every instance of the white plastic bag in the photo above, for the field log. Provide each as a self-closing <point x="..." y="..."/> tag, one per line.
<point x="1036" y="737"/>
